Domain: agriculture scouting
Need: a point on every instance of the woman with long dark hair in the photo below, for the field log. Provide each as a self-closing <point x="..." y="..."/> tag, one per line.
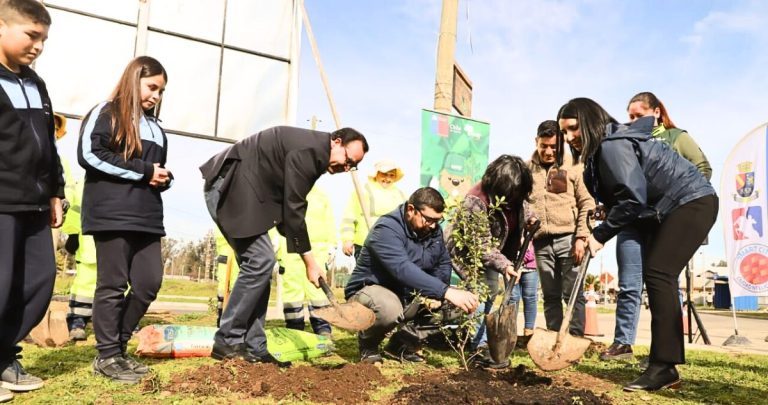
<point x="645" y="184"/>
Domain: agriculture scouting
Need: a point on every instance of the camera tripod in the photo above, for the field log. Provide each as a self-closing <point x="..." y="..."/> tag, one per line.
<point x="692" y="314"/>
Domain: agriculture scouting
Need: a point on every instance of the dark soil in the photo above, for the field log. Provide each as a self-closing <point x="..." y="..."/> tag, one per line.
<point x="512" y="386"/>
<point x="345" y="384"/>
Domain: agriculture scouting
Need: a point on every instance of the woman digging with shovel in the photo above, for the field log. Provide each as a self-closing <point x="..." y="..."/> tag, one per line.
<point x="507" y="178"/>
<point x="650" y="186"/>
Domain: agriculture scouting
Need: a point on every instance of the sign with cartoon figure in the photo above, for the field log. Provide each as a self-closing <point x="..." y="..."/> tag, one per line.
<point x="454" y="153"/>
<point x="743" y="207"/>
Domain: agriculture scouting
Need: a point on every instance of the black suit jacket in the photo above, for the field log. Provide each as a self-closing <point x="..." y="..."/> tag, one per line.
<point x="267" y="177"/>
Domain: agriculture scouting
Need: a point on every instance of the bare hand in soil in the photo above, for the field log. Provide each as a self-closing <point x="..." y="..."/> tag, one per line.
<point x="464" y="300"/>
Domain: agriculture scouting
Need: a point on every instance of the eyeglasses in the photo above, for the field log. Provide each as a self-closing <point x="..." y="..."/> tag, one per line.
<point x="349" y="163"/>
<point x="429" y="221"/>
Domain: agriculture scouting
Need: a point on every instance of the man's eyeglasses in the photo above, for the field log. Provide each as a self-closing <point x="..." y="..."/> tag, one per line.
<point x="429" y="221"/>
<point x="349" y="163"/>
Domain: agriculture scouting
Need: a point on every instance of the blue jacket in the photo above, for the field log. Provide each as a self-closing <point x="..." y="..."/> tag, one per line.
<point x="117" y="195"/>
<point x="638" y="176"/>
<point x="394" y="257"/>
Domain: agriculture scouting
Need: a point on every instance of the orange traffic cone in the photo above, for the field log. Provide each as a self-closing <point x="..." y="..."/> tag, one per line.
<point x="590" y="325"/>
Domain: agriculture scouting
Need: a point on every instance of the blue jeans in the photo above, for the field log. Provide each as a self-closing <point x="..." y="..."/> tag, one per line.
<point x="529" y="283"/>
<point x="629" y="257"/>
<point x="481" y="336"/>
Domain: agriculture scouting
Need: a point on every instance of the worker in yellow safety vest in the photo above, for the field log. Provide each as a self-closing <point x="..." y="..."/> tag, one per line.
<point x="296" y="288"/>
<point x="224" y="253"/>
<point x="83" y="287"/>
<point x="380" y="195"/>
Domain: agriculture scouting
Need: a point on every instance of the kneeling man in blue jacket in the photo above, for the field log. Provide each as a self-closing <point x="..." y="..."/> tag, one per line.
<point x="404" y="257"/>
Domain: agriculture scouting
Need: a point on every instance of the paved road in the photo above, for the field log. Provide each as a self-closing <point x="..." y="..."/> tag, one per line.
<point x="718" y="327"/>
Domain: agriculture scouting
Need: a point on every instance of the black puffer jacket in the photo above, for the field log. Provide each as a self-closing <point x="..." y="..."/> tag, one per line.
<point x="638" y="176"/>
<point x="30" y="171"/>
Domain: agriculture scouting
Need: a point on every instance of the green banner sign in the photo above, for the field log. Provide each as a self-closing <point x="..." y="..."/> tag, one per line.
<point x="454" y="152"/>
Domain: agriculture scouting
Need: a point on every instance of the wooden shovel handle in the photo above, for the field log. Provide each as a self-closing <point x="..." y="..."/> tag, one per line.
<point x="327" y="290"/>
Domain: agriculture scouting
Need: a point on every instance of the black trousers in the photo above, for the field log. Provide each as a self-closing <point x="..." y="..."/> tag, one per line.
<point x="122" y="258"/>
<point x="668" y="248"/>
<point x="27" y="274"/>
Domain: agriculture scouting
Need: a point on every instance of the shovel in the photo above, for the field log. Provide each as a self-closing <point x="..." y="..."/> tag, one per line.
<point x="552" y="350"/>
<point x="352" y="316"/>
<point x="501" y="326"/>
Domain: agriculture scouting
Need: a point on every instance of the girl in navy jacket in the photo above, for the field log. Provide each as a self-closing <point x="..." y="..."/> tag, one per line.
<point x="123" y="150"/>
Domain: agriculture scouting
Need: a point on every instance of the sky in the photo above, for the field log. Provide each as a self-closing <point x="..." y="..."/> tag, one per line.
<point x="704" y="59"/>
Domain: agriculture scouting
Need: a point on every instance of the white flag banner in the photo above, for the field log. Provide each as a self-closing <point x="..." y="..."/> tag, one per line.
<point x="743" y="190"/>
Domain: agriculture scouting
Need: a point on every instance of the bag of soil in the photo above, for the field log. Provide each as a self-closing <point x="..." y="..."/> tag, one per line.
<point x="176" y="341"/>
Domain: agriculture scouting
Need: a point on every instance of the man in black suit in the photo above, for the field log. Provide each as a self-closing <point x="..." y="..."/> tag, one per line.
<point x="259" y="183"/>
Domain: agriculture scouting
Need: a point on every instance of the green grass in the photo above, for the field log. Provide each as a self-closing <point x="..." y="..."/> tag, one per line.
<point x="186" y="288"/>
<point x="707" y="378"/>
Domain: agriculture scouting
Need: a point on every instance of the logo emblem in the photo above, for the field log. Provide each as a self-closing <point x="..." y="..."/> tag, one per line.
<point x="745" y="183"/>
<point x="747" y="223"/>
<point x="752" y="262"/>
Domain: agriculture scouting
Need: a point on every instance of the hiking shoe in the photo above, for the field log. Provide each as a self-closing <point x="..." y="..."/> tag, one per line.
<point x="402" y="354"/>
<point x="134" y="365"/>
<point x="15" y="378"/>
<point x="483" y="359"/>
<point x="5" y="395"/>
<point x="115" y="368"/>
<point x="77" y="334"/>
<point x="222" y="351"/>
<point x="369" y="349"/>
<point x="617" y="351"/>
<point x="370" y="357"/>
<point x="252" y="357"/>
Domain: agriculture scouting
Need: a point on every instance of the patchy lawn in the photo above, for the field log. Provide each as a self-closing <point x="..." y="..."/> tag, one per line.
<point x="707" y="378"/>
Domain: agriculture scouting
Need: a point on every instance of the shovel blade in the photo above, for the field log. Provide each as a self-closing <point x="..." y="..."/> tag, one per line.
<point x="352" y="316"/>
<point x="501" y="327"/>
<point x="544" y="353"/>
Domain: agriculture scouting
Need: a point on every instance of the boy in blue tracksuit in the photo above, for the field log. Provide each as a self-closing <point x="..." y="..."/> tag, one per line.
<point x="31" y="188"/>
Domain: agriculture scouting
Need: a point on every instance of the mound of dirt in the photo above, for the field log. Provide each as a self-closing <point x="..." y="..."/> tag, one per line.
<point x="514" y="386"/>
<point x="344" y="384"/>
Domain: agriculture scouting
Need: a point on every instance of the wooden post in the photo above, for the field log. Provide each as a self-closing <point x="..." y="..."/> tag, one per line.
<point x="227" y="276"/>
<point x="446" y="48"/>
<point x="336" y="119"/>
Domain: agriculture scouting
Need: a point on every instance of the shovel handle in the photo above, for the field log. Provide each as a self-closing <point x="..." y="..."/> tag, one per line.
<point x="528" y="235"/>
<point x="577" y="285"/>
<point x="327" y="290"/>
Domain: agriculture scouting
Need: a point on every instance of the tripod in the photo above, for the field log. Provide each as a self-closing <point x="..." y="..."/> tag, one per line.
<point x="692" y="314"/>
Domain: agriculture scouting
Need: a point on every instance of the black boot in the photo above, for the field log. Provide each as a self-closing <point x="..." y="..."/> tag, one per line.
<point x="369" y="349"/>
<point x="398" y="350"/>
<point x="657" y="376"/>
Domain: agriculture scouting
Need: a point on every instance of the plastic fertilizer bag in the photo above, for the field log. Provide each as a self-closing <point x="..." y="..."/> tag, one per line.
<point x="175" y="341"/>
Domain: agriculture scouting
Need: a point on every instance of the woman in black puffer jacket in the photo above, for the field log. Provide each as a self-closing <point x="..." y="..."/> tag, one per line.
<point x="644" y="183"/>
